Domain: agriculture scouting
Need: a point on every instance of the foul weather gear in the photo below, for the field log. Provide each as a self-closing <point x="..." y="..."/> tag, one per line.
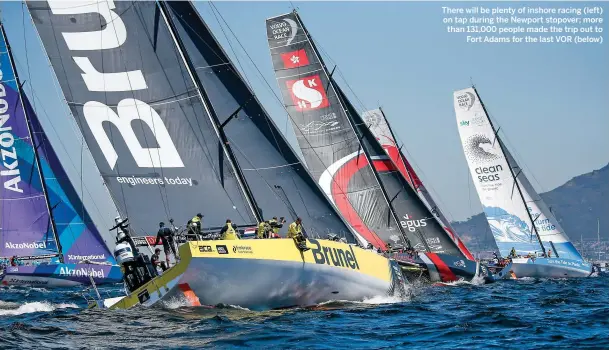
<point x="228" y="232"/>
<point x="263" y="230"/>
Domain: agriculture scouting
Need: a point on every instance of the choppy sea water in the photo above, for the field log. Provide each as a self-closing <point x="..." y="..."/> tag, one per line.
<point x="516" y="314"/>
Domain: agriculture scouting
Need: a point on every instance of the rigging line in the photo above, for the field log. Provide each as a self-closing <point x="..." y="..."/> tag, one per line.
<point x="274" y="167"/>
<point x="72" y="103"/>
<point x="293" y="123"/>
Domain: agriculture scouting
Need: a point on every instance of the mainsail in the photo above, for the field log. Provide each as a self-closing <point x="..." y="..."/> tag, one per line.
<point x="172" y="126"/>
<point x="26" y="225"/>
<point x="517" y="215"/>
<point x="338" y="148"/>
<point x="140" y="112"/>
<point x="379" y="126"/>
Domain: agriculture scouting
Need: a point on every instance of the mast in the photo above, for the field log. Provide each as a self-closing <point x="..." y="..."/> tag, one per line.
<point x="352" y="124"/>
<point x="218" y="127"/>
<point x="511" y="172"/>
<point x="36" y="156"/>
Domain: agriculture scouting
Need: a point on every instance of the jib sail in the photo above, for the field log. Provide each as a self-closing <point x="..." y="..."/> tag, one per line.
<point x="379" y="126"/>
<point x="280" y="183"/>
<point x="140" y="112"/>
<point x="26" y="226"/>
<point x="517" y="215"/>
<point x="77" y="233"/>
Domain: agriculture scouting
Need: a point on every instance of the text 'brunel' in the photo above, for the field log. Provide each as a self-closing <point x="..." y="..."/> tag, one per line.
<point x="113" y="35"/>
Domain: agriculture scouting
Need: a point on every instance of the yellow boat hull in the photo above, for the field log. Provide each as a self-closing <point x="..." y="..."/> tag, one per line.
<point x="267" y="274"/>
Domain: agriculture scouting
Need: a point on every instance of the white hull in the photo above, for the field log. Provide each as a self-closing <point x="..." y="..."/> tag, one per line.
<point x="550" y="268"/>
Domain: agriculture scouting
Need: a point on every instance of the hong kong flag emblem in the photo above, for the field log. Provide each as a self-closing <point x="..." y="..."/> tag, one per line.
<point x="308" y="93"/>
<point x="294" y="59"/>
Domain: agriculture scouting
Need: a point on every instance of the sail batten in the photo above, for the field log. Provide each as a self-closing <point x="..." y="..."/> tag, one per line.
<point x="518" y="217"/>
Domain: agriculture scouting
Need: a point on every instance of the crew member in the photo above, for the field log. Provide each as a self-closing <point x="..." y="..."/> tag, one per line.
<point x="165" y="235"/>
<point x="195" y="226"/>
<point x="123" y="235"/>
<point x="513" y="253"/>
<point x="263" y="230"/>
<point x="228" y="231"/>
<point x="295" y="232"/>
<point x="155" y="260"/>
<point x="276" y="225"/>
<point x="549" y="253"/>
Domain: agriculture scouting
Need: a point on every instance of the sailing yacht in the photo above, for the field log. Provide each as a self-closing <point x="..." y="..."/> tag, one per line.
<point x="45" y="231"/>
<point x="175" y="130"/>
<point x="519" y="219"/>
<point x="351" y="166"/>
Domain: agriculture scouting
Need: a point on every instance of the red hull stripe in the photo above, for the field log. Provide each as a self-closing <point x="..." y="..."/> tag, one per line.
<point x="445" y="273"/>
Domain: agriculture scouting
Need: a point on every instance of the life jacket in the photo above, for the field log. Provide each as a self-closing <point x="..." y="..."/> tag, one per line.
<point x="294" y="230"/>
<point x="273" y="222"/>
<point x="230" y="233"/>
<point x="261" y="229"/>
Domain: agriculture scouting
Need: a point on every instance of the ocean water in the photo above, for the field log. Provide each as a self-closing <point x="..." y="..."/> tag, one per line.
<point x="524" y="314"/>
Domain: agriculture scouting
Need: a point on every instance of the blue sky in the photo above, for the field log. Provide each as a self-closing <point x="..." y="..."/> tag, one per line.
<point x="550" y="100"/>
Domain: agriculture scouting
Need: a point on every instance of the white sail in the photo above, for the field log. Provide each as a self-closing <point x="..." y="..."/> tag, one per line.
<point x="503" y="206"/>
<point x="510" y="207"/>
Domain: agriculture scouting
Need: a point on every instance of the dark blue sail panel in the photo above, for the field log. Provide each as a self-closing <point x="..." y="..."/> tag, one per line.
<point x="140" y="112"/>
<point x="280" y="183"/>
<point x="25" y="221"/>
<point x="78" y="236"/>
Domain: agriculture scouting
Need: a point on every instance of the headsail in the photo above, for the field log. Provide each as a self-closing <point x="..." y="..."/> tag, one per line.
<point x="379" y="126"/>
<point x="140" y="112"/>
<point x="337" y="147"/>
<point x="80" y="240"/>
<point x="510" y="203"/>
<point x="278" y="180"/>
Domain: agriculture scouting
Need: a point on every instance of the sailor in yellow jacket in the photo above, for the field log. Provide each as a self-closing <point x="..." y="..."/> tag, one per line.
<point x="228" y="231"/>
<point x="295" y="232"/>
<point x="263" y="230"/>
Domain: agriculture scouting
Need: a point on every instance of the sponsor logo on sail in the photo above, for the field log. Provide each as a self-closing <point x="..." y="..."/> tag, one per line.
<point x="334" y="256"/>
<point x="295" y="59"/>
<point x="25" y="245"/>
<point x="464" y="123"/>
<point x="317" y="127"/>
<point x="81" y="272"/>
<point x="412" y="224"/>
<point x="242" y="249"/>
<point x="308" y="93"/>
<point x="9" y="173"/>
<point x="488" y="173"/>
<point x="221" y="249"/>
<point x="284" y="31"/>
<point x="480" y="149"/>
<point x="127" y="110"/>
<point x="466" y="100"/>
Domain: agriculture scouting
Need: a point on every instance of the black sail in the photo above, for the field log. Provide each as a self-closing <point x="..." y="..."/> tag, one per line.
<point x="140" y="112"/>
<point x="280" y="183"/>
<point x="333" y="139"/>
